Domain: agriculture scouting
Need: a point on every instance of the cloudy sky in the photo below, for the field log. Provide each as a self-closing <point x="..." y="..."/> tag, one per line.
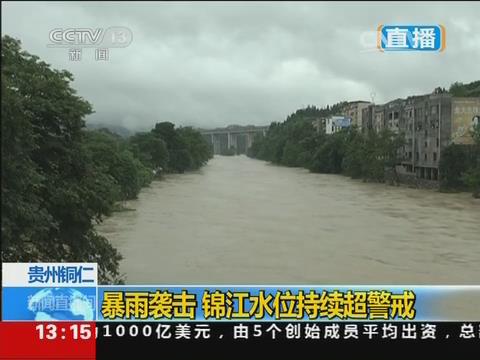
<point x="215" y="64"/>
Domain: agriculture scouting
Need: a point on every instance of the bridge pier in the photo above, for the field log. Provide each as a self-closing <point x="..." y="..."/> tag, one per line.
<point x="238" y="137"/>
<point x="250" y="137"/>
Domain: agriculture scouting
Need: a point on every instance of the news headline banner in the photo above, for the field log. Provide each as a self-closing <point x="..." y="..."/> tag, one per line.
<point x="69" y="291"/>
<point x="289" y="303"/>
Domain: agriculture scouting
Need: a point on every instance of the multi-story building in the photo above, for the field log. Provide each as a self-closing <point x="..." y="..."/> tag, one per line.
<point x="319" y="124"/>
<point x="373" y="118"/>
<point x="334" y="124"/>
<point x="368" y="118"/>
<point x="353" y="110"/>
<point x="392" y="119"/>
<point x="379" y="118"/>
<point x="431" y="123"/>
<point x="407" y="128"/>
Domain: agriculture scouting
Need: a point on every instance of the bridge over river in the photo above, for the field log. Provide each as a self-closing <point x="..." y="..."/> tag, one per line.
<point x="238" y="138"/>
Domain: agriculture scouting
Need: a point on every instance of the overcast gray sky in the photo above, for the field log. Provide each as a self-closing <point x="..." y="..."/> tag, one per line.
<point x="215" y="64"/>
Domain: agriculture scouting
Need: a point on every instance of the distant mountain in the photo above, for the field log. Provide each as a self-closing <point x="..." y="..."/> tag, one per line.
<point x="117" y="129"/>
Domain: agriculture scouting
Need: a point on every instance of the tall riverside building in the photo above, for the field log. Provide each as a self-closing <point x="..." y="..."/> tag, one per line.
<point x="354" y="110"/>
<point x="430" y="123"/>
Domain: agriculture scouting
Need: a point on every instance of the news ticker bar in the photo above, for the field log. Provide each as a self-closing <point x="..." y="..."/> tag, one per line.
<point x="90" y="340"/>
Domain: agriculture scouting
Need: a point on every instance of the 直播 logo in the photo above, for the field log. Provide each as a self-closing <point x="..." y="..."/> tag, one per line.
<point x="411" y="38"/>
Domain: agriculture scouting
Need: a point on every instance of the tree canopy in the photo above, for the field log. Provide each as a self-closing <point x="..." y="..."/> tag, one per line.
<point x="58" y="178"/>
<point x="296" y="143"/>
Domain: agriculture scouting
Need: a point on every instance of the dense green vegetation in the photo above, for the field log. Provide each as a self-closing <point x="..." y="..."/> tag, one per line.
<point x="58" y="178"/>
<point x="296" y="143"/>
<point x="460" y="166"/>
<point x="465" y="90"/>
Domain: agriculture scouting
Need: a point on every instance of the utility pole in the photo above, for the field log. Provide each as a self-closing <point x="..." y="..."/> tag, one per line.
<point x="439" y="136"/>
<point x="414" y="138"/>
<point x="372" y="96"/>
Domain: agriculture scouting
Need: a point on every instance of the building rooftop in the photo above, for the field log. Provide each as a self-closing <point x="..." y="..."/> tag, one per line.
<point x="358" y="102"/>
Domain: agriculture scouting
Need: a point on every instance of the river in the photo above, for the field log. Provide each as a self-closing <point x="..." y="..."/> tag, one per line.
<point x="245" y="221"/>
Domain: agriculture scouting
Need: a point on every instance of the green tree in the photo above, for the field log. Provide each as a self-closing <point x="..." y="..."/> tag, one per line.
<point x="24" y="219"/>
<point x="330" y="154"/>
<point x="465" y="90"/>
<point x="51" y="191"/>
<point x="453" y="164"/>
<point x="197" y="147"/>
<point x="179" y="159"/>
<point x="472" y="176"/>
<point x="380" y="153"/>
<point x="151" y="150"/>
<point x="476" y="134"/>
<point x="354" y="160"/>
<point x="293" y="142"/>
<point x="112" y="156"/>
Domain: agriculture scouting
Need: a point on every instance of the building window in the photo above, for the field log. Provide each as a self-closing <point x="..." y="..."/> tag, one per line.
<point x="426" y="133"/>
<point x="434" y="156"/>
<point x="425" y="156"/>
<point x="410" y="155"/>
<point x="417" y="155"/>
<point x="438" y="142"/>
<point x="426" y="144"/>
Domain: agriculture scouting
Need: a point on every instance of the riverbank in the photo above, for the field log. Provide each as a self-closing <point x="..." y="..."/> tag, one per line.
<point x="372" y="155"/>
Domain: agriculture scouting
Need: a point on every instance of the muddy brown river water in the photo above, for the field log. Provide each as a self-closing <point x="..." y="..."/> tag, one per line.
<point x="245" y="221"/>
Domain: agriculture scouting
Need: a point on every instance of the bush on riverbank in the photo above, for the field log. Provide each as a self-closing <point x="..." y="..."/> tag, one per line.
<point x="460" y="166"/>
<point x="296" y="143"/>
<point x="58" y="178"/>
<point x="112" y="157"/>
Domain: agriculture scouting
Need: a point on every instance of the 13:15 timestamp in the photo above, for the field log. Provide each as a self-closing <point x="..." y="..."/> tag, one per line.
<point x="50" y="331"/>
